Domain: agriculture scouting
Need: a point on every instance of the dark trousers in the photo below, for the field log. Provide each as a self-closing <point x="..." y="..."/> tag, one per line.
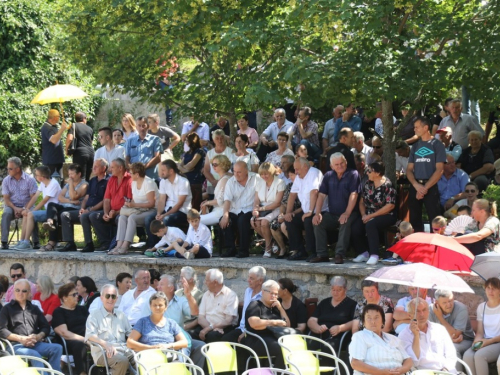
<point x="295" y="228"/>
<point x="54" y="167"/>
<point x="69" y="218"/>
<point x="197" y="193"/>
<point x="264" y="150"/>
<point x="272" y="345"/>
<point x="238" y="224"/>
<point x="54" y="211"/>
<point x="365" y="236"/>
<point x="432" y="205"/>
<point x="78" y="350"/>
<point x="174" y="220"/>
<point x="104" y="230"/>
<point x="212" y="336"/>
<point x="85" y="161"/>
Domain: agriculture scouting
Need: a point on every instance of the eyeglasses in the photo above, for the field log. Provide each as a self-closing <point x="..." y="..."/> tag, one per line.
<point x="271" y="293"/>
<point x="377" y="146"/>
<point x="470" y="191"/>
<point x="21" y="290"/>
<point x="16" y="275"/>
<point x="74" y="294"/>
<point x="215" y="165"/>
<point x="108" y="296"/>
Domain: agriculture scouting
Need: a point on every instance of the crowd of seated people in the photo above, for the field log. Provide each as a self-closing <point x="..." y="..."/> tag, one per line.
<point x="285" y="186"/>
<point x="430" y="333"/>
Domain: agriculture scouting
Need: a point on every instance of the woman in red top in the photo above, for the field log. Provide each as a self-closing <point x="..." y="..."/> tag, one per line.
<point x="45" y="293"/>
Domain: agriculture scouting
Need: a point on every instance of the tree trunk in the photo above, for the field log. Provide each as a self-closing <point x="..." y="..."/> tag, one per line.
<point x="389" y="142"/>
<point x="232" y="123"/>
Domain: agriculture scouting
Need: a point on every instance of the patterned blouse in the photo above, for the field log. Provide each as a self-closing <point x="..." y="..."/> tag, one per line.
<point x="492" y="242"/>
<point x="376" y="198"/>
<point x="384" y="302"/>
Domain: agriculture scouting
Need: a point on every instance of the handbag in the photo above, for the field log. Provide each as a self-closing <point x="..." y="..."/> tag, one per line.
<point x="127" y="211"/>
<point x="72" y="146"/>
<point x="283" y="331"/>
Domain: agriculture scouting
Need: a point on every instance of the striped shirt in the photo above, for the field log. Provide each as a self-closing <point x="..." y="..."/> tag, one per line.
<point x="19" y="191"/>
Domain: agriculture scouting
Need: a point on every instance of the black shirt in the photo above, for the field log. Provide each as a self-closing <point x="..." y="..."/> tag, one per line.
<point x="297" y="313"/>
<point x="74" y="319"/>
<point x="51" y="153"/>
<point x="470" y="163"/>
<point x="332" y="316"/>
<point x="84" y="136"/>
<point x="226" y="129"/>
<point x="344" y="150"/>
<point x="96" y="190"/>
<point x="257" y="308"/>
<point x="15" y="320"/>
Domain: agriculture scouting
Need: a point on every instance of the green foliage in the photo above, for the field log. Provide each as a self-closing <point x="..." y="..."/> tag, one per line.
<point x="492" y="193"/>
<point x="28" y="64"/>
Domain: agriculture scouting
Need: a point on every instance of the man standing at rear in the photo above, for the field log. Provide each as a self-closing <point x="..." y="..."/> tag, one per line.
<point x="425" y="167"/>
<point x="52" y="148"/>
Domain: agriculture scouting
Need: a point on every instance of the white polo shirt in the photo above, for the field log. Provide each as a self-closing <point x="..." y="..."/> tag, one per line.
<point x="241" y="197"/>
<point x="311" y="181"/>
<point x="179" y="187"/>
<point x="132" y="308"/>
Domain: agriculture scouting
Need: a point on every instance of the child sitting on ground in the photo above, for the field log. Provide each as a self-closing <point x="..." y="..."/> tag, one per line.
<point x="198" y="242"/>
<point x="405" y="229"/>
<point x="169" y="236"/>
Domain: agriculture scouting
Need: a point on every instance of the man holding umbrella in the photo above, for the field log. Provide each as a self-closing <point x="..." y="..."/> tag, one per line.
<point x="52" y="148"/>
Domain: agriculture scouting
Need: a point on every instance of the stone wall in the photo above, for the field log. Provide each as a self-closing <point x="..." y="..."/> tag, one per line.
<point x="312" y="280"/>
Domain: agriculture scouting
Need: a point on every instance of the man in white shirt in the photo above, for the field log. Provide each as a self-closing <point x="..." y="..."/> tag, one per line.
<point x="133" y="301"/>
<point x="361" y="148"/>
<point x="194" y="126"/>
<point x="109" y="151"/>
<point x="269" y="137"/>
<point x="174" y="201"/>
<point x="305" y="188"/>
<point x="402" y="154"/>
<point x="428" y="344"/>
<point x="239" y="195"/>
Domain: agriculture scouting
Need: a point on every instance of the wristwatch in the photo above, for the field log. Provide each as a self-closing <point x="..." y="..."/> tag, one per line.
<point x="211" y="326"/>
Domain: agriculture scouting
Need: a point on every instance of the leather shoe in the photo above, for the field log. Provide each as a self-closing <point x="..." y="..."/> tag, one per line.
<point x="89" y="248"/>
<point x="339" y="259"/>
<point x="242" y="255"/>
<point x="312" y="256"/>
<point x="319" y="260"/>
<point x="298" y="256"/>
<point x="70" y="246"/>
<point x="229" y="254"/>
<point x="36" y="245"/>
<point x="5" y="246"/>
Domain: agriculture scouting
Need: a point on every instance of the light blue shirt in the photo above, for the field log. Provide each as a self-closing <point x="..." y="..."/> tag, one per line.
<point x="354" y="123"/>
<point x="143" y="150"/>
<point x="453" y="186"/>
<point x="247" y="299"/>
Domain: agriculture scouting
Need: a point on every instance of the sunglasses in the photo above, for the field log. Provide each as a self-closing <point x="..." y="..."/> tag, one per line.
<point x="215" y="165"/>
<point x="108" y="296"/>
<point x="16" y="275"/>
<point x="21" y="290"/>
<point x="470" y="191"/>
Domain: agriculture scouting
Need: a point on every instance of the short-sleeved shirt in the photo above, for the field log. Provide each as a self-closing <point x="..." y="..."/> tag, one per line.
<point x="384" y="302"/>
<point x="19" y="191"/>
<point x="311" y="127"/>
<point x="84" y="137"/>
<point x="268" y="195"/>
<point x="331" y="316"/>
<point x="52" y="190"/>
<point x="241" y="197"/>
<point x="152" y="334"/>
<point x="116" y="193"/>
<point x="96" y="190"/>
<point x="66" y="195"/>
<point x="472" y="162"/>
<point x="490" y="318"/>
<point x="164" y="133"/>
<point x="49" y="304"/>
<point x="202" y="130"/>
<point x="458" y="319"/>
<point x="461" y="128"/>
<point x="492" y="242"/>
<point x="212" y="153"/>
<point x="141" y="195"/>
<point x="449" y="187"/>
<point x="297" y="313"/>
<point x="302" y="187"/>
<point x="424" y="155"/>
<point x="354" y="124"/>
<point x="275" y="159"/>
<point x="273" y="130"/>
<point x="339" y="190"/>
<point x="115" y="153"/>
<point x="75" y="320"/>
<point x="219" y="307"/>
<point x="132" y="307"/>
<point x="328" y="131"/>
<point x="375" y="198"/>
<point x="226" y="129"/>
<point x="249" y="159"/>
<point x="173" y="190"/>
<point x="346" y="151"/>
<point x="258" y="309"/>
<point x="252" y="134"/>
<point x="143" y="150"/>
<point x="195" y="176"/>
<point x="51" y="153"/>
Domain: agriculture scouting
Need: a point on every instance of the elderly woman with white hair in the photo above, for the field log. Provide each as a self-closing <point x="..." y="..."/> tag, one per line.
<point x="263" y="315"/>
<point x="334" y="315"/>
<point x="477" y="161"/>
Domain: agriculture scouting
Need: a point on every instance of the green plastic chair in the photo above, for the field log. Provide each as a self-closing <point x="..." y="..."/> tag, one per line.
<point x="267" y="371"/>
<point x="176" y="368"/>
<point x="306" y="362"/>
<point x="18" y="362"/>
<point x="35" y="371"/>
<point x="147" y="360"/>
<point x="293" y="343"/>
<point x="221" y="356"/>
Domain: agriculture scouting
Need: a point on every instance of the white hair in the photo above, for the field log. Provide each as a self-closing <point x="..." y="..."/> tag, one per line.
<point x="169" y="278"/>
<point x="359" y="136"/>
<point x="189" y="273"/>
<point x="214" y="274"/>
<point x="337" y="155"/>
<point x="338" y="281"/>
<point x="259" y="271"/>
<point x="269" y="284"/>
<point x="136" y="275"/>
<point x="443" y="293"/>
<point x="280" y="110"/>
<point x="106" y="287"/>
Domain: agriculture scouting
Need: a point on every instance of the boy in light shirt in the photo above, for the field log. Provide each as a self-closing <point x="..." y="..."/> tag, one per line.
<point x="169" y="236"/>
<point x="198" y="243"/>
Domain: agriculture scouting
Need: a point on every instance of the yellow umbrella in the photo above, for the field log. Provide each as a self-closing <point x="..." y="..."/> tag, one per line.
<point x="58" y="94"/>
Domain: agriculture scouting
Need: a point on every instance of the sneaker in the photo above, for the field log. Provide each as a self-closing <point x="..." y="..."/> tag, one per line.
<point x="149" y="254"/>
<point x="159" y="253"/>
<point x="267" y="254"/>
<point x="391" y="261"/>
<point x="372" y="261"/>
<point x="361" y="258"/>
<point x="189" y="255"/>
<point x="23" y="246"/>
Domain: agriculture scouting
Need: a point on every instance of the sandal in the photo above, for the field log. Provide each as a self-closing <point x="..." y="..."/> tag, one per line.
<point x="49" y="226"/>
<point x="122" y="251"/>
<point x="48" y="247"/>
<point x="114" y="251"/>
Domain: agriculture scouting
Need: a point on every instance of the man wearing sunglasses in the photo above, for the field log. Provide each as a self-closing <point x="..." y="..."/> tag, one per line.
<point x="17" y="273"/>
<point x="109" y="328"/>
<point x="24" y="325"/>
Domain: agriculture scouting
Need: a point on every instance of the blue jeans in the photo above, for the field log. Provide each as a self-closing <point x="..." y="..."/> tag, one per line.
<point x="42" y="349"/>
<point x="40" y="216"/>
<point x="173" y="220"/>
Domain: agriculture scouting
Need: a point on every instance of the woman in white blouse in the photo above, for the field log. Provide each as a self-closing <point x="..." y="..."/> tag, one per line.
<point x="241" y="142"/>
<point x="129" y="126"/>
<point x="268" y="195"/>
<point x="372" y="350"/>
<point x="135" y="210"/>
<point x="221" y="165"/>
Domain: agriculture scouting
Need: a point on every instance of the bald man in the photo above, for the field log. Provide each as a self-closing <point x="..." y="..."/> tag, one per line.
<point x="52" y="147"/>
